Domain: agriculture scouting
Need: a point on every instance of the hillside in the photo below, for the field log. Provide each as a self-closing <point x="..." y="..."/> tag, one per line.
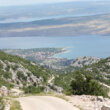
<point x="32" y="12"/>
<point x="64" y="26"/>
<point x="18" y="72"/>
<point x="99" y="71"/>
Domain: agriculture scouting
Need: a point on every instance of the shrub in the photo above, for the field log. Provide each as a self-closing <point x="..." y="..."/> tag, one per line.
<point x="84" y="84"/>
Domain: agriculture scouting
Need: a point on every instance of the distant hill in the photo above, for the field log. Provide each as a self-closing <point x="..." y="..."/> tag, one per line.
<point x="68" y="26"/>
<point x="34" y="12"/>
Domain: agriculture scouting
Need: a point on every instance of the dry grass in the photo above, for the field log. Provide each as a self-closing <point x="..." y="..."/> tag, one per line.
<point x="15" y="105"/>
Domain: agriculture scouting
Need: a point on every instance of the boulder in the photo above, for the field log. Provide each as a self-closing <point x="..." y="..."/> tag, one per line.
<point x="48" y="89"/>
<point x="105" y="107"/>
<point x="58" y="89"/>
<point x="3" y="91"/>
<point x="100" y="98"/>
<point x="16" y="92"/>
<point x="7" y="107"/>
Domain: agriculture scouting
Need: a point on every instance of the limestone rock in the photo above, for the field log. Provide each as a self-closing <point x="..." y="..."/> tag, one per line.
<point x="83" y="61"/>
<point x="3" y="91"/>
<point x="58" y="89"/>
<point x="105" y="107"/>
<point x="7" y="107"/>
<point x="100" y="98"/>
<point x="16" y="92"/>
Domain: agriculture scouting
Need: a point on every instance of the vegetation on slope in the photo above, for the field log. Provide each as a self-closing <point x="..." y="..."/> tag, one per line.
<point x="15" y="105"/>
<point x="26" y="73"/>
<point x="34" y="78"/>
<point x="100" y="71"/>
<point x="88" y="77"/>
<point x="1" y="104"/>
<point x="85" y="84"/>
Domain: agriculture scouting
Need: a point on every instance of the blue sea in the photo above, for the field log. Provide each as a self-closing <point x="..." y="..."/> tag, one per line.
<point x="98" y="46"/>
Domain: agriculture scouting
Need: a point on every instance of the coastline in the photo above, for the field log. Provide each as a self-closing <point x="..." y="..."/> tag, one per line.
<point x="64" y="51"/>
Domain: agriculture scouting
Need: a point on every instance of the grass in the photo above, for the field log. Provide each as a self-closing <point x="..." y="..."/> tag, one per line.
<point x="2" y="104"/>
<point x="62" y="97"/>
<point x="77" y="106"/>
<point x="15" y="105"/>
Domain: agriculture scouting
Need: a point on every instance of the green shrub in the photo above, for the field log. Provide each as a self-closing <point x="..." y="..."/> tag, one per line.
<point x="85" y="84"/>
<point x="21" y="76"/>
<point x="5" y="83"/>
<point x="7" y="75"/>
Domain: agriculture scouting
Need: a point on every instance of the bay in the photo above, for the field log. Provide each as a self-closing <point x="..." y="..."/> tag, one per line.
<point x="98" y="46"/>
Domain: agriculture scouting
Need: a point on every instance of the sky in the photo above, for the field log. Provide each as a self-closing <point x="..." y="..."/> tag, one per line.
<point x="26" y="2"/>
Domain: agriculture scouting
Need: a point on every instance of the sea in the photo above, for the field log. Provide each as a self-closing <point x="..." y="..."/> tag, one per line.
<point x="87" y="45"/>
<point x="97" y="46"/>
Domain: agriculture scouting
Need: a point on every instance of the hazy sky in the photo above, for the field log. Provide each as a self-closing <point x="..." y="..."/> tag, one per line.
<point x="23" y="2"/>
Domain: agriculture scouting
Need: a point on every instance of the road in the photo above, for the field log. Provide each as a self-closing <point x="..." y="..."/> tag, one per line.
<point x="45" y="103"/>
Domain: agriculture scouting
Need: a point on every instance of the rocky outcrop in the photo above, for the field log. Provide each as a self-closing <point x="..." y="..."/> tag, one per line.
<point x="4" y="91"/>
<point x="12" y="92"/>
<point x="19" y="74"/>
<point x="63" y="63"/>
<point x="16" y="92"/>
<point x="53" y="88"/>
<point x="84" y="61"/>
<point x="100" y="98"/>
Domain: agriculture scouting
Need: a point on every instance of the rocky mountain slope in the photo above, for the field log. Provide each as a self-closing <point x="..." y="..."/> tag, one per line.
<point x="79" y="63"/>
<point x="99" y="71"/>
<point x="83" y="61"/>
<point x="61" y="65"/>
<point x="18" y="72"/>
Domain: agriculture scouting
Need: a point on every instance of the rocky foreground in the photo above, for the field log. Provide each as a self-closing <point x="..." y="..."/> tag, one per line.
<point x="86" y="102"/>
<point x="83" y="102"/>
<point x="79" y="102"/>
